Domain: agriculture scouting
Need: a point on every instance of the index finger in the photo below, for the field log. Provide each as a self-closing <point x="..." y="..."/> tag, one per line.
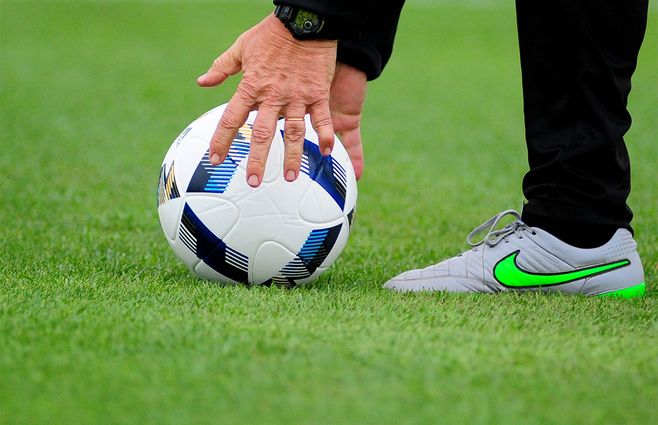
<point x="232" y="119"/>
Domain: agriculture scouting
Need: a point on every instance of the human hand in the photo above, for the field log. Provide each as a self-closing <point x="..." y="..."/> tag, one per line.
<point x="281" y="76"/>
<point x="348" y="93"/>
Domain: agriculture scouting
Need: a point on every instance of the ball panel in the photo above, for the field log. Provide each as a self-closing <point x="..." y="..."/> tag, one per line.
<point x="312" y="277"/>
<point x="209" y="178"/>
<point x="318" y="245"/>
<point x="313" y="252"/>
<point x="204" y="271"/>
<point x="324" y="171"/>
<point x="351" y="192"/>
<point x="268" y="213"/>
<point x="339" y="243"/>
<point x="219" y="215"/>
<point x="205" y="245"/>
<point x="187" y="160"/>
<point x="351" y="217"/>
<point x="204" y="126"/>
<point x="169" y="214"/>
<point x="269" y="259"/>
<point x="173" y="149"/>
<point x="184" y="253"/>
<point x="345" y="175"/>
<point x="318" y="207"/>
<point x="167" y="184"/>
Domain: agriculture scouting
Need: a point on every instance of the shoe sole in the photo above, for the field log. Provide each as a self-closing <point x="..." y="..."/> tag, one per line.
<point x="630" y="292"/>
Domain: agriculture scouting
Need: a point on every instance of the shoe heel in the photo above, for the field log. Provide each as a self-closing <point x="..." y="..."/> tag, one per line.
<point x="630" y="292"/>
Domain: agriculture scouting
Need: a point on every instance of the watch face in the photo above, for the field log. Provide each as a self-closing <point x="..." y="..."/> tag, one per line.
<point x="307" y="22"/>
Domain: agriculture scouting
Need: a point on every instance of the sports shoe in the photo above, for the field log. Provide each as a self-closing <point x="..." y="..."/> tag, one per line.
<point x="522" y="258"/>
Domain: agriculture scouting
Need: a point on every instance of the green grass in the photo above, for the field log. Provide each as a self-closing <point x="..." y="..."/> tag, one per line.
<point x="99" y="323"/>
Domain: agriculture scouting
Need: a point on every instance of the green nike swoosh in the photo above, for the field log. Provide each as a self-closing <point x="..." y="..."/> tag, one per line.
<point x="508" y="273"/>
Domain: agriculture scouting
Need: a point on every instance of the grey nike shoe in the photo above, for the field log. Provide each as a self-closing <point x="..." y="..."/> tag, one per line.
<point x="522" y="258"/>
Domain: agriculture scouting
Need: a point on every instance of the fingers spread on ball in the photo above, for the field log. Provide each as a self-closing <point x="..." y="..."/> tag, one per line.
<point x="293" y="138"/>
<point x="321" y="120"/>
<point x="261" y="139"/>
<point x="234" y="116"/>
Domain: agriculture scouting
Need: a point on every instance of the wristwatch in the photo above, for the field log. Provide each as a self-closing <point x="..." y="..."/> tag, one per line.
<point x="303" y="24"/>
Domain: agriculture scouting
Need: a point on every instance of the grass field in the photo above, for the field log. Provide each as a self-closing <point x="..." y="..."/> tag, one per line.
<point x="100" y="324"/>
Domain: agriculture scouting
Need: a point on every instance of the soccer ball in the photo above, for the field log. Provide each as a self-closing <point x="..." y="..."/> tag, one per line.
<point x="281" y="233"/>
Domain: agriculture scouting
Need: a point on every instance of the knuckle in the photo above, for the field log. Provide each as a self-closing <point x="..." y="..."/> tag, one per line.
<point x="229" y="120"/>
<point x="255" y="165"/>
<point x="321" y="91"/>
<point x="293" y="134"/>
<point x="316" y="93"/>
<point x="216" y="143"/>
<point x="275" y="96"/>
<point x="261" y="136"/>
<point x="293" y="157"/>
<point x="246" y="91"/>
<point x="323" y="121"/>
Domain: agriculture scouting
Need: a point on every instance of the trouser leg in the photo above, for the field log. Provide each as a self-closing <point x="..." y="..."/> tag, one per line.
<point x="577" y="59"/>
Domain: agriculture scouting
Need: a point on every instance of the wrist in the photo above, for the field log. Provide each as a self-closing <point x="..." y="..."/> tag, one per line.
<point x="277" y="28"/>
<point x="306" y="24"/>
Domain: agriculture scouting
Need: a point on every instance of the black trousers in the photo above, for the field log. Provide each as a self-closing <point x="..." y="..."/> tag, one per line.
<point x="577" y="59"/>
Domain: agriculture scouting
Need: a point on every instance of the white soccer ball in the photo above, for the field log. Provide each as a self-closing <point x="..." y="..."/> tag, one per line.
<point x="282" y="233"/>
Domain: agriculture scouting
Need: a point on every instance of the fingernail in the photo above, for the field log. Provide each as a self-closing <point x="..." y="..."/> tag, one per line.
<point x="290" y="175"/>
<point x="253" y="180"/>
<point x="214" y="158"/>
<point x="327" y="151"/>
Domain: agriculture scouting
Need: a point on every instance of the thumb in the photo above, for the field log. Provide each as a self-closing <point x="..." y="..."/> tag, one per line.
<point x="229" y="63"/>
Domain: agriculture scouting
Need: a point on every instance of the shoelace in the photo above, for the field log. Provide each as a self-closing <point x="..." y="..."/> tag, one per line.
<point x="493" y="236"/>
